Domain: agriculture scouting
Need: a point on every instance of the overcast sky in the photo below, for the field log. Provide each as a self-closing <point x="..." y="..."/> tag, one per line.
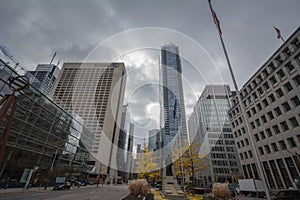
<point x="33" y="30"/>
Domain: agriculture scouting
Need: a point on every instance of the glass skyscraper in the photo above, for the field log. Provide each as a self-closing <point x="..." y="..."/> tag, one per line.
<point x="209" y="126"/>
<point x="174" y="132"/>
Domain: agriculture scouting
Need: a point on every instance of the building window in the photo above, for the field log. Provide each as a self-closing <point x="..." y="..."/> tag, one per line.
<point x="278" y="59"/>
<point x="254" y="95"/>
<point x="249" y="114"/>
<point x="243" y="130"/>
<point x="260" y="90"/>
<point x="292" y="142"/>
<point x="276" y="129"/>
<point x="261" y="151"/>
<point x="264" y="119"/>
<point x="272" y="98"/>
<point x="297" y="80"/>
<point x="269" y="132"/>
<point x="288" y="87"/>
<point x="256" y="137"/>
<point x="281" y="74"/>
<point x="242" y="143"/>
<point x="266" y="85"/>
<point x="262" y="135"/>
<point x="271" y="67"/>
<point x="259" y="107"/>
<point x="295" y="101"/>
<point x="279" y="93"/>
<point x="253" y="110"/>
<point x="282" y="144"/>
<point x="245" y="154"/>
<point x="289" y="66"/>
<point x="274" y="147"/>
<point x="265" y="102"/>
<point x="277" y="111"/>
<point x="267" y="148"/>
<point x="241" y="156"/>
<point x="270" y="115"/>
<point x="252" y="125"/>
<point x="296" y="43"/>
<point x="287" y="51"/>
<point x="284" y="126"/>
<point x="257" y="121"/>
<point x="250" y="154"/>
<point x="273" y="80"/>
<point x="293" y="121"/>
<point x="247" y="141"/>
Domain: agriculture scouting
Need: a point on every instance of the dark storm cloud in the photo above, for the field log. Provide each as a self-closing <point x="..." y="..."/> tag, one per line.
<point x="33" y="30"/>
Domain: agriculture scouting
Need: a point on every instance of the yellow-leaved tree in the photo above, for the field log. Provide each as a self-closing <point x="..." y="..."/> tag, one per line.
<point x="190" y="162"/>
<point x="148" y="166"/>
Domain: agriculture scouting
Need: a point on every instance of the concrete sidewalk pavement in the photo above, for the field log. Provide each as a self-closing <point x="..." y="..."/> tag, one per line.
<point x="39" y="189"/>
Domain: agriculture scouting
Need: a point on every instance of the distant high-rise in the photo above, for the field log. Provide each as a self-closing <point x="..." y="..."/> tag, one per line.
<point x="138" y="148"/>
<point x="154" y="140"/>
<point x="209" y="126"/>
<point x="95" y="91"/>
<point x="44" y="77"/>
<point x="174" y="130"/>
<point x="271" y="98"/>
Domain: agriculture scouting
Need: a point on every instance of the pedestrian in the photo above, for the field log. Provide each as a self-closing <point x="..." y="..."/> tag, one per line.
<point x="139" y="190"/>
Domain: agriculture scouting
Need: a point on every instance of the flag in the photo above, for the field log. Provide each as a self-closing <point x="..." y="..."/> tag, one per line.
<point x="217" y="22"/>
<point x="278" y="32"/>
<point x="174" y="109"/>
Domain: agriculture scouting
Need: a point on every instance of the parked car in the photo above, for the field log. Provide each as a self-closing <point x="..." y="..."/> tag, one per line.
<point x="288" y="195"/>
<point x="62" y="186"/>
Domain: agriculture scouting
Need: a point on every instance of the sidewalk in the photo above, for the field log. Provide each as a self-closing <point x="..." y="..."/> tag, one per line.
<point x="38" y="189"/>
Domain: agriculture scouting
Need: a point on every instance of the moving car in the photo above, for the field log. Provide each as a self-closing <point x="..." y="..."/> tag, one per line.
<point x="62" y="186"/>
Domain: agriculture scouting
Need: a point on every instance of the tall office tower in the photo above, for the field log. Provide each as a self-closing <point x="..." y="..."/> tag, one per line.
<point x="175" y="131"/>
<point x="209" y="126"/>
<point x="95" y="91"/>
<point x="44" y="77"/>
<point x="153" y="140"/>
<point x="122" y="155"/>
<point x="271" y="98"/>
<point x="130" y="157"/>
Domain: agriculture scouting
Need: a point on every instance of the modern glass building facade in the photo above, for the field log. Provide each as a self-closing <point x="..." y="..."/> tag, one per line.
<point x="209" y="126"/>
<point x="174" y="123"/>
<point x="42" y="135"/>
<point x="44" y="77"/>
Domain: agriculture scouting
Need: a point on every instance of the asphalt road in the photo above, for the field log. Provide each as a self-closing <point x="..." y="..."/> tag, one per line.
<point x="103" y="192"/>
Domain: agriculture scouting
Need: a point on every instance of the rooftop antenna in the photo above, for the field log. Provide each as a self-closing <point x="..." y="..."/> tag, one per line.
<point x="53" y="57"/>
<point x="58" y="62"/>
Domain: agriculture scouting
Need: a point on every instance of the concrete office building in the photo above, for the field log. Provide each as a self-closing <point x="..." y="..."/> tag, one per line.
<point x="95" y="91"/>
<point x="271" y="98"/>
<point x="44" y="77"/>
<point x="209" y="126"/>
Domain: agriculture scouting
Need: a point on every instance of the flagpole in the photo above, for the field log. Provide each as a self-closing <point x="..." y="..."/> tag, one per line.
<point x="259" y="165"/>
<point x="282" y="39"/>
